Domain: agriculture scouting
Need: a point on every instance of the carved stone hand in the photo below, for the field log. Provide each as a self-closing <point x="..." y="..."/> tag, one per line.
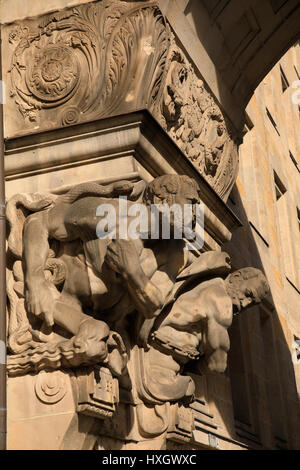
<point x="40" y="299"/>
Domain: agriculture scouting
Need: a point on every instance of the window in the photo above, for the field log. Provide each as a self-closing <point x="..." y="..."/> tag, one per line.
<point x="284" y="81"/>
<point x="248" y="124"/>
<point x="258" y="233"/>
<point x="271" y="375"/>
<point x="279" y="187"/>
<point x="296" y="348"/>
<point x="241" y="377"/>
<point x="294" y="160"/>
<point x="237" y="374"/>
<point x="277" y="5"/>
<point x="272" y="121"/>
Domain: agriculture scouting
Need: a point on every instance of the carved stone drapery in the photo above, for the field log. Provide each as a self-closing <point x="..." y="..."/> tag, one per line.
<point x="105" y="58"/>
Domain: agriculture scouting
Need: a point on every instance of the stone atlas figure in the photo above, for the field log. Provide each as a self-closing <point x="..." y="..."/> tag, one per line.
<point x="79" y="300"/>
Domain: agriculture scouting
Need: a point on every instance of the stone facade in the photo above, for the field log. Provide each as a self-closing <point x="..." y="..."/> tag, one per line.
<point x="125" y="344"/>
<point x="266" y="198"/>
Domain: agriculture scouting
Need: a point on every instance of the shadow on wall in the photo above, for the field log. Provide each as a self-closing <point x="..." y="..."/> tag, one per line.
<point x="244" y="39"/>
<point x="260" y="370"/>
<point x="259" y="386"/>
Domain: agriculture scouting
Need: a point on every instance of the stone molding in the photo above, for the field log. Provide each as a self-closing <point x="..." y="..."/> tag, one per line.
<point x="107" y="58"/>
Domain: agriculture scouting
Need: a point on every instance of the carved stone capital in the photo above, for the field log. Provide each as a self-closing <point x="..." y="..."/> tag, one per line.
<point x="108" y="58"/>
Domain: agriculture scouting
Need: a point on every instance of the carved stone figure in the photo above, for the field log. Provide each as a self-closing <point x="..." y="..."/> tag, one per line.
<point x="107" y="278"/>
<point x="198" y="321"/>
<point x="126" y="323"/>
<point x="78" y="300"/>
<point x="194" y="328"/>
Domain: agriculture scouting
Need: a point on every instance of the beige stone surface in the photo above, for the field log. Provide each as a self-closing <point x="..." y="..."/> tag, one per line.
<point x="273" y="240"/>
<point x="45" y="432"/>
<point x="34" y="422"/>
<point x="255" y="404"/>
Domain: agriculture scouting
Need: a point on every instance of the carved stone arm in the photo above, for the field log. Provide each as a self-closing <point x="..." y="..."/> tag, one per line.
<point x="122" y="256"/>
<point x="40" y="294"/>
<point x="36" y="247"/>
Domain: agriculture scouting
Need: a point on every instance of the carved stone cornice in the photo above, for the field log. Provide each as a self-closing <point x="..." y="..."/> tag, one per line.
<point x="106" y="58"/>
<point x="136" y="134"/>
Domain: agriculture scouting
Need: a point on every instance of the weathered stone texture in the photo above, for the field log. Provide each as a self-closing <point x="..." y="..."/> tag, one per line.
<point x="125" y="345"/>
<point x="272" y="240"/>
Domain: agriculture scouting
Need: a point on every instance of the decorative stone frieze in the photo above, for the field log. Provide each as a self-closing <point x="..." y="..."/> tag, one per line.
<point x="105" y="58"/>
